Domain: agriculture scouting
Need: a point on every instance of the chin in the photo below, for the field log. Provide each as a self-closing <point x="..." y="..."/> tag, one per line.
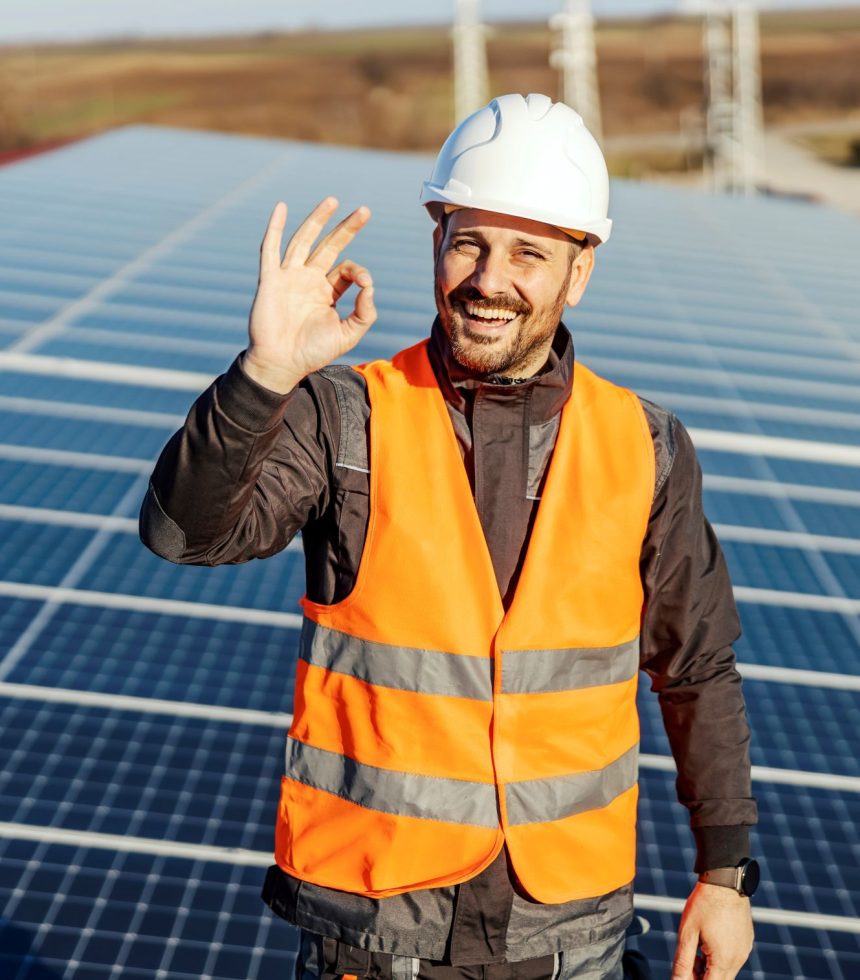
<point x="484" y="355"/>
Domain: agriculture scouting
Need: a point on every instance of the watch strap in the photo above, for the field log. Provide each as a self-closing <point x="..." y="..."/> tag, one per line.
<point x="728" y="877"/>
<point x="743" y="878"/>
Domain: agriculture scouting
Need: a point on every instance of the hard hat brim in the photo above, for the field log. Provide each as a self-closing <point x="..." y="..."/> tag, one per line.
<point x="434" y="198"/>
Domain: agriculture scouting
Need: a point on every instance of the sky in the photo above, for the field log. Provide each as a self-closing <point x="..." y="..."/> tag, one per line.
<point x="31" y="20"/>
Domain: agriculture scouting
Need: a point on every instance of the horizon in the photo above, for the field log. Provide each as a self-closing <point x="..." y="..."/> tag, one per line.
<point x="64" y="22"/>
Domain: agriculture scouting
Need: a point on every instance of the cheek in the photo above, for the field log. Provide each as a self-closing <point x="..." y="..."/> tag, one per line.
<point x="452" y="271"/>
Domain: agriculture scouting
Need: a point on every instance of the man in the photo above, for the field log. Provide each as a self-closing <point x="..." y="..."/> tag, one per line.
<point x="496" y="541"/>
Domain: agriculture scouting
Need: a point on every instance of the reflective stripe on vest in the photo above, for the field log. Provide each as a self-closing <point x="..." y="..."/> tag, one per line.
<point x="429" y="724"/>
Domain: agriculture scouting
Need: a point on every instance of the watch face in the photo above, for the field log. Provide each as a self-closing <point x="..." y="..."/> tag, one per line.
<point x="750" y="878"/>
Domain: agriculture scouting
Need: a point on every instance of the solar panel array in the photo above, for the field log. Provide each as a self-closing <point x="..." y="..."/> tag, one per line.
<point x="142" y="705"/>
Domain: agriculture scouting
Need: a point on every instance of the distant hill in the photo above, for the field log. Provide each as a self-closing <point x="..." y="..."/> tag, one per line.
<point x="392" y="88"/>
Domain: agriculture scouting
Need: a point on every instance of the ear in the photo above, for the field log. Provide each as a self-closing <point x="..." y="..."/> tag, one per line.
<point x="580" y="273"/>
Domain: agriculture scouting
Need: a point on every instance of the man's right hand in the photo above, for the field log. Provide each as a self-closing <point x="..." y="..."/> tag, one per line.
<point x="294" y="327"/>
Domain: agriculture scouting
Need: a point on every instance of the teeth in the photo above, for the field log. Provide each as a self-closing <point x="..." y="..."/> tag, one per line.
<point x="495" y="314"/>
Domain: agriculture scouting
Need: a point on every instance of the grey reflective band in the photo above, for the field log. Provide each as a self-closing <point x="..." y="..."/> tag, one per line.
<point x="405" y="668"/>
<point x="455" y="675"/>
<point x="541" y="800"/>
<point x="539" y="671"/>
<point x="402" y="793"/>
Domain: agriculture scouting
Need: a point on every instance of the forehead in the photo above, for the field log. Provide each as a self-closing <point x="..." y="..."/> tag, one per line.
<point x="494" y="225"/>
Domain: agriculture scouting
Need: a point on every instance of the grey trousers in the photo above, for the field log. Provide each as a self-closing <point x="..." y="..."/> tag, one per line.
<point x="321" y="958"/>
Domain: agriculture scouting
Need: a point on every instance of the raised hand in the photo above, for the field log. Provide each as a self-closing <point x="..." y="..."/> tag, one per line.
<point x="294" y="327"/>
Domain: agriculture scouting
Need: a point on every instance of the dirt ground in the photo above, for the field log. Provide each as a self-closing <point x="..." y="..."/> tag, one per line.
<point x="392" y="88"/>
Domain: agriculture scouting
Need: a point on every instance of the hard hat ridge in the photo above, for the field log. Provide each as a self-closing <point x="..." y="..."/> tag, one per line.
<point x="528" y="157"/>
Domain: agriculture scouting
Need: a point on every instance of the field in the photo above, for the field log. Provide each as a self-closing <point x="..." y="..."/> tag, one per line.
<point x="392" y="88"/>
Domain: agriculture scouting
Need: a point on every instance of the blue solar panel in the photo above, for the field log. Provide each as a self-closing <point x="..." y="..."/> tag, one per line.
<point x="137" y="250"/>
<point x="175" y="657"/>
<point x="62" y="488"/>
<point x="782" y="735"/>
<point x="834" y="519"/>
<point x="100" y="393"/>
<point x="145" y="775"/>
<point x="80" y="435"/>
<point x="83" y="913"/>
<point x="803" y="639"/>
<point x="255" y="585"/>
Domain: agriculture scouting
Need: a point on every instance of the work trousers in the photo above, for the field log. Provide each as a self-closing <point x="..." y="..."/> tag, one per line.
<point x="321" y="958"/>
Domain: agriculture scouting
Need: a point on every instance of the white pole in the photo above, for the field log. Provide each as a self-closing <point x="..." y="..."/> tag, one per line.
<point x="470" y="59"/>
<point x="747" y="96"/>
<point x="576" y="56"/>
<point x="720" y="113"/>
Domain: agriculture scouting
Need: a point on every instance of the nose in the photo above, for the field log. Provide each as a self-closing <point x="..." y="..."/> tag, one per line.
<point x="490" y="276"/>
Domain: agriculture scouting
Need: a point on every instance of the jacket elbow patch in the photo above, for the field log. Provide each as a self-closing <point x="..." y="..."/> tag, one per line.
<point x="157" y="531"/>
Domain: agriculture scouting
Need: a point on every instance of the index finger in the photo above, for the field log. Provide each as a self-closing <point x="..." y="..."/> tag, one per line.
<point x="338" y="238"/>
<point x="270" y="248"/>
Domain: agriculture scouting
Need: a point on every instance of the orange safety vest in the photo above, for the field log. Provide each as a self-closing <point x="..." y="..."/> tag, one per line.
<point x="430" y="725"/>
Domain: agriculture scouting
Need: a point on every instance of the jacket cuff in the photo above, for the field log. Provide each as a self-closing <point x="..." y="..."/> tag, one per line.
<point x="247" y="403"/>
<point x="720" y="847"/>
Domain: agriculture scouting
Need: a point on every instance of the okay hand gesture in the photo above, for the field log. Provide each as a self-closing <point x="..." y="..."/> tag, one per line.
<point x="294" y="326"/>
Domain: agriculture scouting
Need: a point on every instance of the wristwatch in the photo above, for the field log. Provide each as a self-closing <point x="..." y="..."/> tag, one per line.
<point x="744" y="877"/>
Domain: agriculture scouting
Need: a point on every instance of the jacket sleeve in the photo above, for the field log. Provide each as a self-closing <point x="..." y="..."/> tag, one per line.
<point x="245" y="473"/>
<point x="689" y="624"/>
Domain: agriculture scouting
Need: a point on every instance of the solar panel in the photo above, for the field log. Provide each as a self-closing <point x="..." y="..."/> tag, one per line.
<point x="142" y="704"/>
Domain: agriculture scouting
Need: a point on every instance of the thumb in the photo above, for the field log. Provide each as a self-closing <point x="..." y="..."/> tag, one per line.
<point x="685" y="955"/>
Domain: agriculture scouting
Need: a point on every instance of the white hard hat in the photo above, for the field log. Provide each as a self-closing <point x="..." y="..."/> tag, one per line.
<point x="527" y="157"/>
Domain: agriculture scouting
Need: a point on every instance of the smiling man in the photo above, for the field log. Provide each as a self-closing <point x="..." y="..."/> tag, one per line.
<point x="497" y="541"/>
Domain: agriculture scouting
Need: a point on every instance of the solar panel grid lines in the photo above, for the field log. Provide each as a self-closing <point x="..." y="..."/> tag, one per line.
<point x="773" y="274"/>
<point x="746" y="341"/>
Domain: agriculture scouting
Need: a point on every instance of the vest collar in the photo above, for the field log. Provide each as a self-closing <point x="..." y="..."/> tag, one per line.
<point x="546" y="392"/>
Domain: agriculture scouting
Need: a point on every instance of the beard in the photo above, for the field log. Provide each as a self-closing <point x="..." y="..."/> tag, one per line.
<point x="520" y="351"/>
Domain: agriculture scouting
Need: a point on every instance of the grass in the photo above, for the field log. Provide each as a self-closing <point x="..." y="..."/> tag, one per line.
<point x="391" y="88"/>
<point x="95" y="114"/>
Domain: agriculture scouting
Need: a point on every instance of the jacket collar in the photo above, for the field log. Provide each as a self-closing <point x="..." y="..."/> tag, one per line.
<point x="546" y="392"/>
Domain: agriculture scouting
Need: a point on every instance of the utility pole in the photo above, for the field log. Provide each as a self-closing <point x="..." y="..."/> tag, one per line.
<point x="470" y="59"/>
<point x="576" y="56"/>
<point x="720" y="111"/>
<point x="748" y="103"/>
<point x="733" y="111"/>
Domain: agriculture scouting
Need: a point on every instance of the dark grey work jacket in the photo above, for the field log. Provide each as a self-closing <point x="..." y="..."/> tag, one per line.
<point x="250" y="468"/>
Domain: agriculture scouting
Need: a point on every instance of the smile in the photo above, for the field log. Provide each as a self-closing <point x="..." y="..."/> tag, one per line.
<point x="487" y="316"/>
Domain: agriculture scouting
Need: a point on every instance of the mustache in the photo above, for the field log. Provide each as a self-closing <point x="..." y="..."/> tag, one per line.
<point x="501" y="301"/>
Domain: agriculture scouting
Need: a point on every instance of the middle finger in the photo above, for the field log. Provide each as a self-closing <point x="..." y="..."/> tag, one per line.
<point x="305" y="235"/>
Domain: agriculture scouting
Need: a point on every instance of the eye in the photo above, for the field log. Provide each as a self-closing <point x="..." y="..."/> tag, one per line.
<point x="529" y="254"/>
<point x="464" y="245"/>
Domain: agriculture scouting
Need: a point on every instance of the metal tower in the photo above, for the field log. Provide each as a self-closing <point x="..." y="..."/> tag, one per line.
<point x="720" y="111"/>
<point x="576" y="56"/>
<point x="747" y="97"/>
<point x="470" y="59"/>
<point x="733" y="113"/>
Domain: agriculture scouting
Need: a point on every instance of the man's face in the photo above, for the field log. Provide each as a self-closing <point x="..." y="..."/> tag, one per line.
<point x="501" y="285"/>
